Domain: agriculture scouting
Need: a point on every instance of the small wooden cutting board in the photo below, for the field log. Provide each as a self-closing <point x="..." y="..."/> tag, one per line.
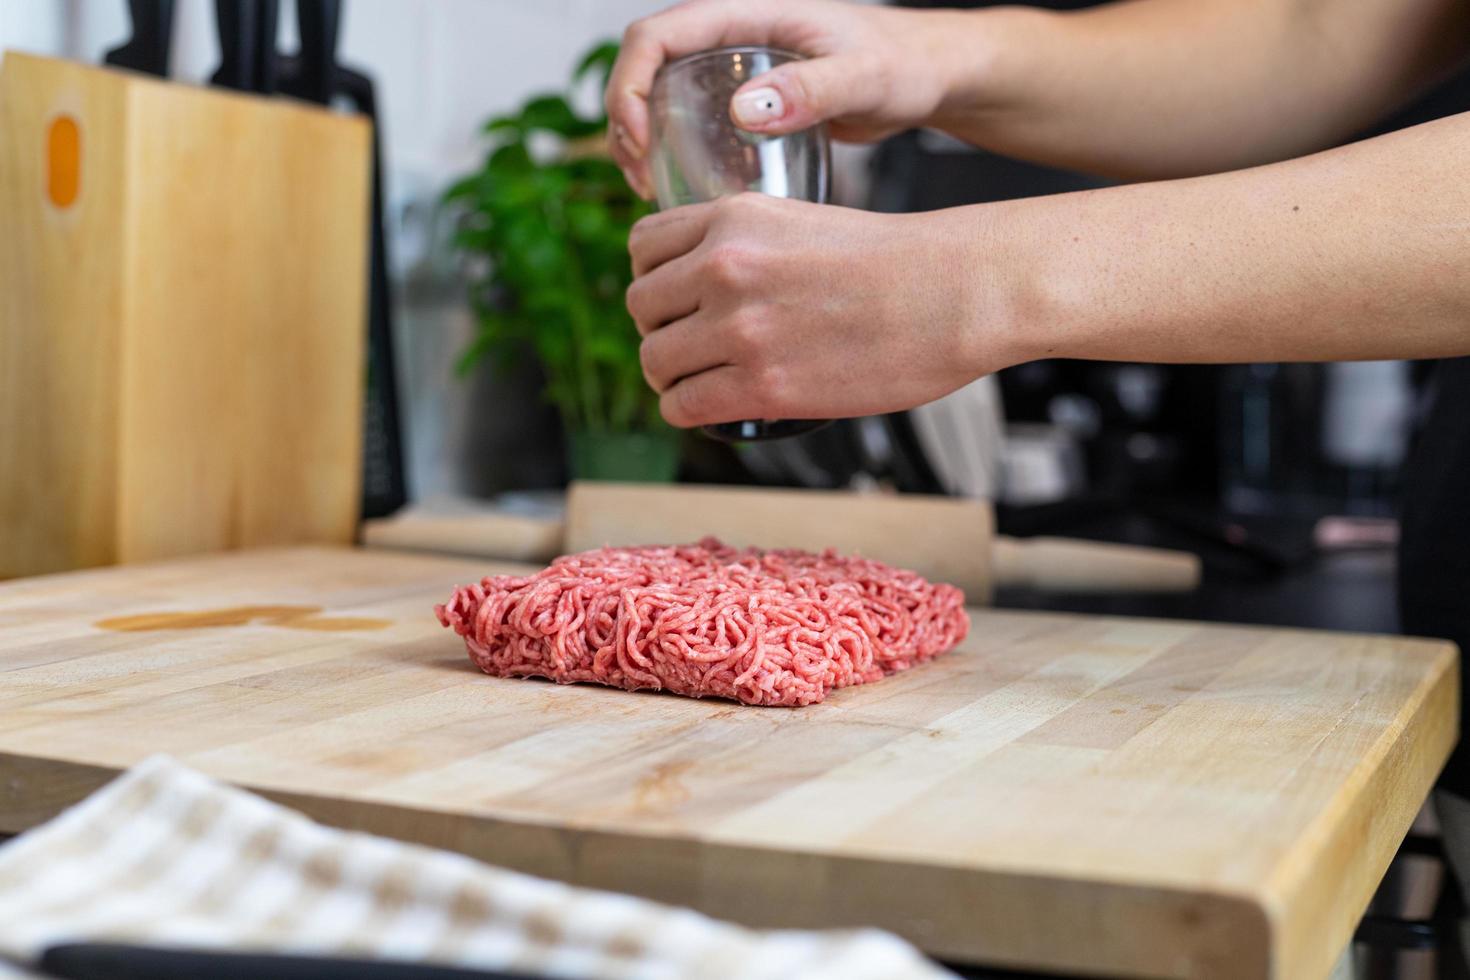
<point x="1070" y="793"/>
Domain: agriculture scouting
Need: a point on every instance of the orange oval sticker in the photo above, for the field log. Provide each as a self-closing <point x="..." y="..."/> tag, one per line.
<point x="63" y="161"/>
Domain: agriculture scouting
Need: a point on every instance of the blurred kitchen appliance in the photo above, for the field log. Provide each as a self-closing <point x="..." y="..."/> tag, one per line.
<point x="1312" y="439"/>
<point x="182" y="300"/>
<point x="700" y="154"/>
<point x="963" y="437"/>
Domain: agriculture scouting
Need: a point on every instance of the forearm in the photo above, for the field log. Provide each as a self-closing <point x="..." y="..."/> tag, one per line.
<point x="1161" y="88"/>
<point x="1361" y="252"/>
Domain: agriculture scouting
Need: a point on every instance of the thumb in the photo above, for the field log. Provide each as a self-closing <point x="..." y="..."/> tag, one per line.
<point x="795" y="96"/>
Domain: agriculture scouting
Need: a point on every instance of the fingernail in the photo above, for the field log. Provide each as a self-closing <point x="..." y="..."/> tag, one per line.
<point x="758" y="106"/>
<point x="632" y="149"/>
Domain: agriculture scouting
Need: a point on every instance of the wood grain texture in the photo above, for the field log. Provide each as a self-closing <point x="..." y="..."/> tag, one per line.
<point x="181" y="348"/>
<point x="1113" y="796"/>
<point x="59" y="386"/>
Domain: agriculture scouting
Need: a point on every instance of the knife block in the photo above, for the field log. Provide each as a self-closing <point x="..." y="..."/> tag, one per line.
<point x="183" y="281"/>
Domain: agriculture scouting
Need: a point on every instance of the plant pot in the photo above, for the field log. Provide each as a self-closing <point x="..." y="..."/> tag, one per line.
<point x="625" y="457"/>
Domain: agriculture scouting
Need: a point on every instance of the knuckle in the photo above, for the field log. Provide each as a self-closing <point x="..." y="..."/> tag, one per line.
<point x="648" y="31"/>
<point x="772" y="390"/>
<point x="879" y="69"/>
<point x="743" y="202"/>
<point x="746" y="335"/>
<point x="633" y="299"/>
<point x="678" y="405"/>
<point x="727" y="265"/>
<point x="708" y="7"/>
<point x="803" y="90"/>
<point x="638" y="233"/>
<point x="636" y="31"/>
<point x="648" y="360"/>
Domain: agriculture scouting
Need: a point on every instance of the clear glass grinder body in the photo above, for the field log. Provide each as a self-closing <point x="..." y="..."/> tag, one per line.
<point x="699" y="154"/>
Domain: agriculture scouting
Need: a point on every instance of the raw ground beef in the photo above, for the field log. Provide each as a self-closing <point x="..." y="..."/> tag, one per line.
<point x="762" y="627"/>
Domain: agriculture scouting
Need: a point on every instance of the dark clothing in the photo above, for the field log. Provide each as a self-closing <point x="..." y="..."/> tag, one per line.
<point x="1434" y="554"/>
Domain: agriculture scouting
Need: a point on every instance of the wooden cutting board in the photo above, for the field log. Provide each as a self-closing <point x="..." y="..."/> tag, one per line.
<point x="1108" y="796"/>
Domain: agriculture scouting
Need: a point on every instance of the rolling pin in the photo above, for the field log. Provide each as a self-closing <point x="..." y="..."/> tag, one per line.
<point x="943" y="538"/>
<point x="484" y="534"/>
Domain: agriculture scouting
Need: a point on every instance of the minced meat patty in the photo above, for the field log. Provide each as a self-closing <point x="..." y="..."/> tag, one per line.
<point x="761" y="627"/>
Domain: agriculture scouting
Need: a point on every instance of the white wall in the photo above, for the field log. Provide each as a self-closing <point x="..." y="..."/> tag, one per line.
<point x="32" y="25"/>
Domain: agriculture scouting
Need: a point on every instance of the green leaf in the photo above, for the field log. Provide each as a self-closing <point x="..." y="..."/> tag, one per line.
<point x="600" y="56"/>
<point x="511" y="158"/>
<point x="552" y="183"/>
<point x="586" y="219"/>
<point x="552" y="113"/>
<point x="549" y="112"/>
<point x="464" y="187"/>
<point x="614" y="348"/>
<point x="599" y="59"/>
<point x="511" y="192"/>
<point x="602" y="176"/>
<point x="472" y="239"/>
<point x="502" y="124"/>
<point x="554" y="344"/>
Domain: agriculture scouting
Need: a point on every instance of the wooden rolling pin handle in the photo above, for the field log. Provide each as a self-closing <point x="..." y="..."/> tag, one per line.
<point x="508" y="537"/>
<point x="1070" y="565"/>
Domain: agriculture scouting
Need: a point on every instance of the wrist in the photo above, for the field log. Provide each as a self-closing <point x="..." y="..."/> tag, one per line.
<point x="1005" y="287"/>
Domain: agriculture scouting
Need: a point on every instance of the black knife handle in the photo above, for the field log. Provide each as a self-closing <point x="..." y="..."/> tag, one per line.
<point x="247" y="44"/>
<point x="148" y="48"/>
<point x="318" y="22"/>
<point x="117" y="961"/>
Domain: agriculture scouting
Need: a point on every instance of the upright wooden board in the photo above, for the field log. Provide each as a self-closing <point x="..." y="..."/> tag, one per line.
<point x="1105" y="796"/>
<point x="182" y="335"/>
<point x="61" y="303"/>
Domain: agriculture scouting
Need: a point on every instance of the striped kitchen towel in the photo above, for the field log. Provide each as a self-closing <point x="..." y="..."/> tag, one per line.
<point x="166" y="856"/>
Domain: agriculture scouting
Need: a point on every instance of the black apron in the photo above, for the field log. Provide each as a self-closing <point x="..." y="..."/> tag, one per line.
<point x="1434" y="552"/>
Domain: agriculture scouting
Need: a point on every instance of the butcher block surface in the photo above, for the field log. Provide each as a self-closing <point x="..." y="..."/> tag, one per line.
<point x="1111" y="796"/>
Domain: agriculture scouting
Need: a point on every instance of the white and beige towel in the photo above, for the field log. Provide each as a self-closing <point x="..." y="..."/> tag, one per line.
<point x="166" y="856"/>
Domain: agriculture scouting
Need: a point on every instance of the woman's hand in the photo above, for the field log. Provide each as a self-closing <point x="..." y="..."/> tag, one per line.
<point x="761" y="307"/>
<point x="871" y="70"/>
